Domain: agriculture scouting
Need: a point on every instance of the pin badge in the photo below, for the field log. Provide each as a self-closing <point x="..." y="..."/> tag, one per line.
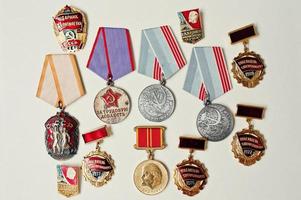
<point x="190" y="175"/>
<point x="70" y="28"/>
<point x="191" y="26"/>
<point x="97" y="166"/>
<point x="67" y="180"/>
<point x="248" y="145"/>
<point x="248" y="67"/>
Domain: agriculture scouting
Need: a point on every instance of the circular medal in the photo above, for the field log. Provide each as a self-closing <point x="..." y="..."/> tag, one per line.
<point x="150" y="177"/>
<point x="112" y="105"/>
<point x="248" y="146"/>
<point x="190" y="176"/>
<point x="215" y="122"/>
<point x="156" y="103"/>
<point x="61" y="136"/>
<point x="98" y="167"/>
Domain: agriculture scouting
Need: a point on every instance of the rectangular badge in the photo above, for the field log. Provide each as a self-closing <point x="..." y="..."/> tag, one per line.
<point x="249" y="111"/>
<point x="191" y="25"/>
<point x="242" y="34"/>
<point x="192" y="143"/>
<point x="149" y="137"/>
<point x="67" y="180"/>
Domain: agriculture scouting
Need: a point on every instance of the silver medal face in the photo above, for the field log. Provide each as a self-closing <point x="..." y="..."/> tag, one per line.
<point x="112" y="105"/>
<point x="215" y="122"/>
<point x="156" y="103"/>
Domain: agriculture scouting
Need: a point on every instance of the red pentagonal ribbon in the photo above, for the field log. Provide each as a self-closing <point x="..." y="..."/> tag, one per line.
<point x="95" y="135"/>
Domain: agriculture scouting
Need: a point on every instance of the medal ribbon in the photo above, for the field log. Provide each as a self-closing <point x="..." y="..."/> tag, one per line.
<point x="160" y="53"/>
<point x="207" y="72"/>
<point x="60" y="80"/>
<point x="95" y="135"/>
<point x="112" y="54"/>
<point x="149" y="137"/>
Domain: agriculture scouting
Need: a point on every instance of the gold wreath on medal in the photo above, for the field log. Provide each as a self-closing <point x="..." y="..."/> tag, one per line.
<point x="190" y="176"/>
<point x="98" y="167"/>
<point x="248" y="146"/>
<point x="248" y="68"/>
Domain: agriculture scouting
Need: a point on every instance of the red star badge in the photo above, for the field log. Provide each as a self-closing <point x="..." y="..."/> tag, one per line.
<point x="111" y="98"/>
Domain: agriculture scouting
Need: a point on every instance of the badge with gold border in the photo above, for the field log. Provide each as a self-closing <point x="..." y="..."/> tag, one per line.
<point x="248" y="67"/>
<point x="191" y="175"/>
<point x="97" y="166"/>
<point x="248" y="145"/>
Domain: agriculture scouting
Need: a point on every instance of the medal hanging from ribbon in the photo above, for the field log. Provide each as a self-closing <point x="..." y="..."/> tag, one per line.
<point x="208" y="78"/>
<point x="67" y="180"/>
<point x="191" y="26"/>
<point x="97" y="166"/>
<point x="60" y="85"/>
<point x="150" y="176"/>
<point x="70" y="28"/>
<point x="190" y="175"/>
<point x="160" y="58"/>
<point x="112" y="58"/>
<point x="248" y="67"/>
<point x="248" y="145"/>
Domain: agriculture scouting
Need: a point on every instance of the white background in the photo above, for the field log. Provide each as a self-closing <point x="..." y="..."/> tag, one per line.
<point x="26" y="35"/>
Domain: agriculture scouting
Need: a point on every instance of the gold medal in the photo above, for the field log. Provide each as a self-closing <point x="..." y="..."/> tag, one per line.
<point x="97" y="166"/>
<point x="150" y="176"/>
<point x="67" y="180"/>
<point x="190" y="175"/>
<point x="248" y="67"/>
<point x="248" y="145"/>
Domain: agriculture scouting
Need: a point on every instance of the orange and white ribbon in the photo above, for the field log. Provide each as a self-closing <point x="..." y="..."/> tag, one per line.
<point x="60" y="80"/>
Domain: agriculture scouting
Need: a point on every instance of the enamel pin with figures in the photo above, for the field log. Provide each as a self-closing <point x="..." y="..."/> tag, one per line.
<point x="112" y="58"/>
<point x="97" y="166"/>
<point x="60" y="85"/>
<point x="248" y="67"/>
<point x="190" y="175"/>
<point x="248" y="145"/>
<point x="150" y="176"/>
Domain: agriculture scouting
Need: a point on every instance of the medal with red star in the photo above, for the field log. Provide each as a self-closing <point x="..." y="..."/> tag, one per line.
<point x="111" y="98"/>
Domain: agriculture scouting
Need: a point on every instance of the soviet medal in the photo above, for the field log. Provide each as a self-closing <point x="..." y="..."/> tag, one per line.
<point x="248" y="145"/>
<point x="150" y="176"/>
<point x="160" y="58"/>
<point x="190" y="175"/>
<point x="67" y="180"/>
<point x="191" y="26"/>
<point x="113" y="45"/>
<point x="248" y="67"/>
<point x="70" y="28"/>
<point x="61" y="135"/>
<point x="97" y="166"/>
<point x="60" y="85"/>
<point x="215" y="121"/>
<point x="207" y="79"/>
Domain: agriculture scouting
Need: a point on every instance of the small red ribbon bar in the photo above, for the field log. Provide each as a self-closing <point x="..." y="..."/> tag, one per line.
<point x="95" y="135"/>
<point x="149" y="137"/>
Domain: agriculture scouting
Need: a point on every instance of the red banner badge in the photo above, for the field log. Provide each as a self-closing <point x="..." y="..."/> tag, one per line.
<point x="150" y="137"/>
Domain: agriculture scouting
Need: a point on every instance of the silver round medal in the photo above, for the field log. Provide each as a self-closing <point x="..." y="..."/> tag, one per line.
<point x="156" y="103"/>
<point x="215" y="122"/>
<point x="112" y="105"/>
